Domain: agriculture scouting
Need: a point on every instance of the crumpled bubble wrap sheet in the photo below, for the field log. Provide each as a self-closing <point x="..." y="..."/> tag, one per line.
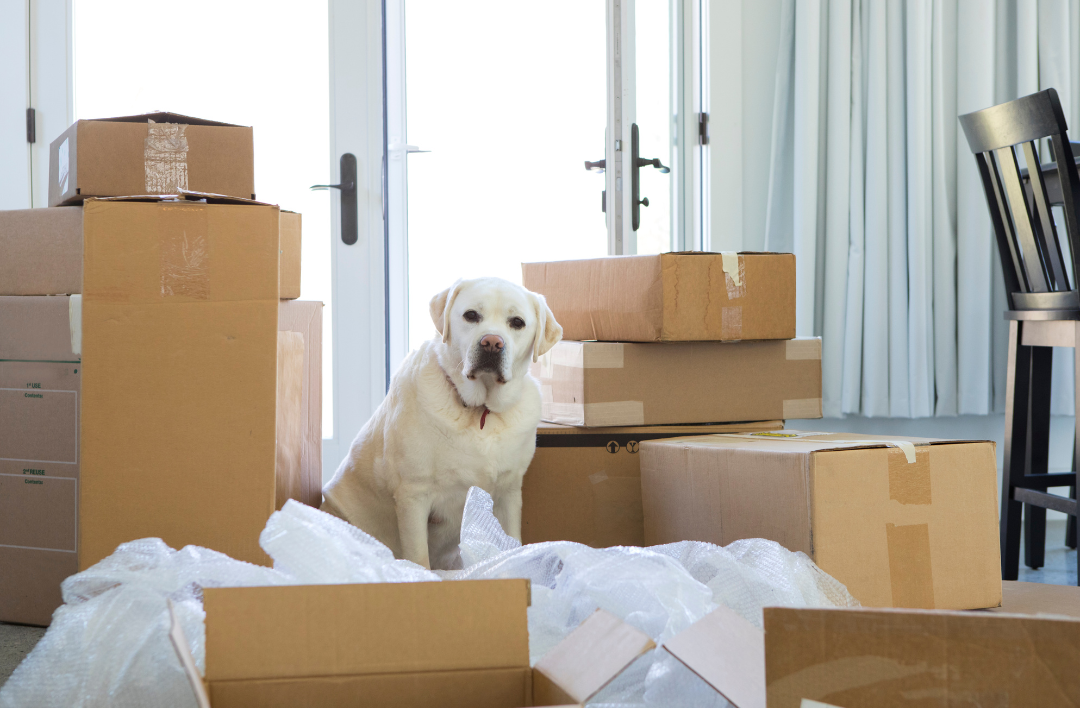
<point x="108" y="644"/>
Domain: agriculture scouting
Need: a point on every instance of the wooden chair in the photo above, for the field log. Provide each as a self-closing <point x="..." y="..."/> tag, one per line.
<point x="1044" y="309"/>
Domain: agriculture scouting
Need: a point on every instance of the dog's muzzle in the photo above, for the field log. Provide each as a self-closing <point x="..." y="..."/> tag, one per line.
<point x="487" y="361"/>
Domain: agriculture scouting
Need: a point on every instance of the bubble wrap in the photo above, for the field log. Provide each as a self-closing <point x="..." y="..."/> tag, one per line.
<point x="108" y="644"/>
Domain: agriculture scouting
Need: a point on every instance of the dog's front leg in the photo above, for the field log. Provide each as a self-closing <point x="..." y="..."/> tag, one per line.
<point x="413" y="510"/>
<point x="507" y="508"/>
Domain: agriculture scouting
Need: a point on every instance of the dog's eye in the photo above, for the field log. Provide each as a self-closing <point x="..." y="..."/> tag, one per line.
<point x="517" y="323"/>
<point x="471" y="316"/>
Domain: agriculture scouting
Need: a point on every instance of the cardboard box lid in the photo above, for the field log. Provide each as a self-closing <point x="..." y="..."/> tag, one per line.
<point x="331" y="630"/>
<point x="164" y="117"/>
<point x="728" y="653"/>
<point x="796" y="442"/>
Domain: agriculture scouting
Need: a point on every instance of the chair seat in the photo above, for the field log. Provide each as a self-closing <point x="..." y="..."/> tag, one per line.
<point x="1042" y="315"/>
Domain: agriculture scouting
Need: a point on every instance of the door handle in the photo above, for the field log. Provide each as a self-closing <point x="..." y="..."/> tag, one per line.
<point x="349" y="233"/>
<point x="636" y="163"/>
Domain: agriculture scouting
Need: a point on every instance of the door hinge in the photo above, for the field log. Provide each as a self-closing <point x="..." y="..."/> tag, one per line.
<point x="703" y="128"/>
<point x="31" y="125"/>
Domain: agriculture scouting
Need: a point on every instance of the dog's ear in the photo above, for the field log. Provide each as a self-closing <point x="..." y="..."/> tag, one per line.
<point x="440" y="307"/>
<point x="548" y="331"/>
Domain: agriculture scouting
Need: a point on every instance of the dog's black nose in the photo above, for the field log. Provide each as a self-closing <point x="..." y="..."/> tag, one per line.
<point x="491" y="343"/>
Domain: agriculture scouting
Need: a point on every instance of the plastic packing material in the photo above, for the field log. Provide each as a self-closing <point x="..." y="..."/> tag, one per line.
<point x="108" y="644"/>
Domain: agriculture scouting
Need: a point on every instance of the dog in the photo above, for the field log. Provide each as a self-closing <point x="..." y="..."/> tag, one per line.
<point x="461" y="411"/>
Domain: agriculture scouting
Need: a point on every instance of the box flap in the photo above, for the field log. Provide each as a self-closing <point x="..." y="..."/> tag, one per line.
<point x="1021" y="598"/>
<point x="181" y="196"/>
<point x="187" y="661"/>
<point x="337" y="630"/>
<point x="728" y="653"/>
<point x="588" y="659"/>
<point x="165" y="117"/>
<point x="801" y="442"/>
<point x="661" y="430"/>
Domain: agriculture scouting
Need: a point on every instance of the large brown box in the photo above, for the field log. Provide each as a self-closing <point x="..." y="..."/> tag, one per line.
<point x="452" y="644"/>
<point x="39" y="455"/>
<point x="299" y="402"/>
<point x="41" y="252"/>
<point x="180" y="351"/>
<point x="670" y="297"/>
<point x="153" y="153"/>
<point x="584" y="484"/>
<point x="601" y="384"/>
<point x="901" y="522"/>
<point x="863" y="658"/>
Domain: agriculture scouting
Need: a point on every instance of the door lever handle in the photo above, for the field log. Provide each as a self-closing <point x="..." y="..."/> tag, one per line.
<point x="598" y="166"/>
<point x="349" y="232"/>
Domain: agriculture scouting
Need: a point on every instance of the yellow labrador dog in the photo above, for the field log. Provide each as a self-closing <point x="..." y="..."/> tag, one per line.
<point x="462" y="411"/>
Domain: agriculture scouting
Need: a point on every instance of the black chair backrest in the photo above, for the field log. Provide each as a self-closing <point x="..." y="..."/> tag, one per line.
<point x="1031" y="254"/>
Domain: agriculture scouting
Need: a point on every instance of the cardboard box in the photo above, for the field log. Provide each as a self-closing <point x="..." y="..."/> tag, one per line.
<point x="863" y="658"/>
<point x="180" y="351"/>
<point x="584" y="484"/>
<point x="672" y="297"/>
<point x="460" y="643"/>
<point x="39" y="461"/>
<point x="153" y="153"/>
<point x="299" y="422"/>
<point x="602" y="384"/>
<point x="901" y="522"/>
<point x="289" y="253"/>
<point x="41" y="252"/>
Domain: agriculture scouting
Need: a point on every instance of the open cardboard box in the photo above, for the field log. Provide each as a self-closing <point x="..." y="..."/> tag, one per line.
<point x="464" y="643"/>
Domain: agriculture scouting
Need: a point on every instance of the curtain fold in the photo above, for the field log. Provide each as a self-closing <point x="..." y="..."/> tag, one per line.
<point x="873" y="187"/>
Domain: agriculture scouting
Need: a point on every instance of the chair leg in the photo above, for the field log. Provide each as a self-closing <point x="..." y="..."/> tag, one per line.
<point x="1070" y="525"/>
<point x="1038" y="451"/>
<point x="1076" y="445"/>
<point x="1017" y="388"/>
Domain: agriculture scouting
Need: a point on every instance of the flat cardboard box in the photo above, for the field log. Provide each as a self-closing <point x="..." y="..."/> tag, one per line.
<point x="460" y="643"/>
<point x="604" y="384"/>
<point x="898" y="533"/>
<point x="153" y="153"/>
<point x="584" y="484"/>
<point x="299" y="426"/>
<point x="41" y="252"/>
<point x="1020" y="598"/>
<point x="39" y="455"/>
<point x="671" y="297"/>
<point x="864" y="658"/>
<point x="180" y="349"/>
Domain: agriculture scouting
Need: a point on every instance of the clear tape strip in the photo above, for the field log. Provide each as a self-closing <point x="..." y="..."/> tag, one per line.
<point x="165" y="158"/>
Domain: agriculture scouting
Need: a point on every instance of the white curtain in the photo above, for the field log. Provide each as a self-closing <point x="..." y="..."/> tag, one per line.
<point x="874" y="189"/>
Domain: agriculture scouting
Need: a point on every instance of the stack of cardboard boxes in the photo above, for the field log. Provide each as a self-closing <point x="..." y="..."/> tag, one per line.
<point x="158" y="377"/>
<point x="664" y="344"/>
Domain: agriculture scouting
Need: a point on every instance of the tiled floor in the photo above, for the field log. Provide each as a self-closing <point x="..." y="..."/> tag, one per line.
<point x="16" y="641"/>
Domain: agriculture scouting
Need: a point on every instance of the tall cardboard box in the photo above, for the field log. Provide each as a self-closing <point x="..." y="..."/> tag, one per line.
<point x="152" y="153"/>
<point x="299" y="402"/>
<point x="606" y="384"/>
<point x="901" y="522"/>
<point x="40" y="377"/>
<point x="671" y="297"/>
<point x="41" y="252"/>
<point x="584" y="484"/>
<point x="179" y="344"/>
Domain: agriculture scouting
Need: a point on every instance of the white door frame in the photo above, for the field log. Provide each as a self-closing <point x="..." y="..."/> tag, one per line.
<point x="358" y="271"/>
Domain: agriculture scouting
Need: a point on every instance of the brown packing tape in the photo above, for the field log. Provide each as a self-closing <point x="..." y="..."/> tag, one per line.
<point x="909" y="482"/>
<point x="165" y="158"/>
<point x="807" y="348"/>
<point x="802" y="408"/>
<point x="185" y="251"/>
<point x="910" y="571"/>
<point x="615" y="413"/>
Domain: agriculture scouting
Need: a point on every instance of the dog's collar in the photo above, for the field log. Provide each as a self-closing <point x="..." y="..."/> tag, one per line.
<point x="483" y="416"/>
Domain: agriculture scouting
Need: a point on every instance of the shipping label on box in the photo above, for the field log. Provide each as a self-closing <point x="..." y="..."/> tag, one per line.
<point x="670" y="297"/>
<point x="584" y="484"/>
<point x="600" y="384"/>
<point x="154" y="153"/>
<point x="900" y="522"/>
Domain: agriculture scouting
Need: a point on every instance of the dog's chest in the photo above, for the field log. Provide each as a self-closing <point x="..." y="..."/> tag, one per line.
<point x="478" y="457"/>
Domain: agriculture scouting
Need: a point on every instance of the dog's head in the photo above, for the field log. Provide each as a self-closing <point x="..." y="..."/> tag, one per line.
<point x="493" y="328"/>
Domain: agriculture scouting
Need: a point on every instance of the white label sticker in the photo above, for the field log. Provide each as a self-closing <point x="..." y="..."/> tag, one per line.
<point x="62" y="166"/>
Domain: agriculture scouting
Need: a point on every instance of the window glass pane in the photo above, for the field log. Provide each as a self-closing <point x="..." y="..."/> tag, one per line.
<point x="261" y="64"/>
<point x="510" y="99"/>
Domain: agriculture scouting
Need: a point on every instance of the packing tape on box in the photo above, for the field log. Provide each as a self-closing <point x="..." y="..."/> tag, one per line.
<point x="597" y="355"/>
<point x="803" y="349"/>
<point x="910" y="572"/>
<point x="802" y="408"/>
<point x="734" y="268"/>
<point x="165" y="158"/>
<point x="75" y="323"/>
<point x="184" y="249"/>
<point x="731" y="323"/>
